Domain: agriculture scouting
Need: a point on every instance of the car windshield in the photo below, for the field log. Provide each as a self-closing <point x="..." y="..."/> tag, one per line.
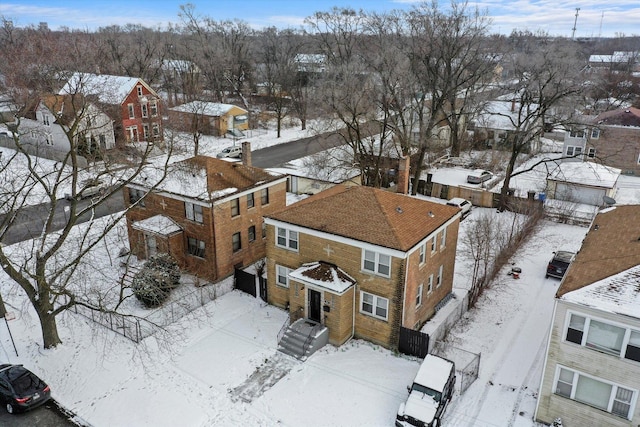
<point x="226" y="150"/>
<point x="428" y="391"/>
<point x="27" y="383"/>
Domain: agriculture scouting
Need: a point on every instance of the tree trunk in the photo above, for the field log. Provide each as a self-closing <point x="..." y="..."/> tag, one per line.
<point x="50" y="335"/>
<point x="507" y="178"/>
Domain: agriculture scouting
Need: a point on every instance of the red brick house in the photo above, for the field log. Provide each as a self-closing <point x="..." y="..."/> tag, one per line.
<point x="132" y="104"/>
<point x="361" y="262"/>
<point x="207" y="214"/>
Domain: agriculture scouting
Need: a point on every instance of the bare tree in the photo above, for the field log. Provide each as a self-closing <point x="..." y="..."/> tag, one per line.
<point x="546" y="79"/>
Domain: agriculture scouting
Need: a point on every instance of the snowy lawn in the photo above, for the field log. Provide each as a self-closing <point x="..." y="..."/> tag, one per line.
<point x="187" y="376"/>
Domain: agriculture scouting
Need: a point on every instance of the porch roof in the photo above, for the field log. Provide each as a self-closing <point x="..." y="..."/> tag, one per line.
<point x="158" y="224"/>
<point x="324" y="275"/>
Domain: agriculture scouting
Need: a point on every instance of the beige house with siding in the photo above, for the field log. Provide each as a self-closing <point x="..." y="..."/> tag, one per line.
<point x="361" y="262"/>
<point x="592" y="368"/>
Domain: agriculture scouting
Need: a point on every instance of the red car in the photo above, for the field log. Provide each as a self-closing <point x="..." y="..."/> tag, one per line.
<point x="21" y="389"/>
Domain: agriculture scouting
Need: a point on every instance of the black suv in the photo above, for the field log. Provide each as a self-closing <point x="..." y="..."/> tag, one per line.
<point x="559" y="263"/>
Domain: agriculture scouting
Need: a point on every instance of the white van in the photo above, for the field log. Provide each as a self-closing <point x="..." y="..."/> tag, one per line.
<point x="429" y="394"/>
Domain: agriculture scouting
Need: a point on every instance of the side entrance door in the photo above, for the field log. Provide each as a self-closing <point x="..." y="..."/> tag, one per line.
<point x="314" y="305"/>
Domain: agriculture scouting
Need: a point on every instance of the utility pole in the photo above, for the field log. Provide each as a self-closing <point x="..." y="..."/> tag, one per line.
<point x="573" y="34"/>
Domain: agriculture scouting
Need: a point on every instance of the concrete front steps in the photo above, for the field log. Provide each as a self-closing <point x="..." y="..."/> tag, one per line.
<point x="303" y="338"/>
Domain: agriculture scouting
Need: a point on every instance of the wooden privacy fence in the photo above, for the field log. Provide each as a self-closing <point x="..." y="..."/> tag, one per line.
<point x="413" y="343"/>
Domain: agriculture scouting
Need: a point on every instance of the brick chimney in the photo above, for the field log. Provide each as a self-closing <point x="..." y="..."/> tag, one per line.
<point x="403" y="174"/>
<point x="246" y="153"/>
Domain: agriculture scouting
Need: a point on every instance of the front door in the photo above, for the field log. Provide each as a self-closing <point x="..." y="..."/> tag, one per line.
<point x="152" y="245"/>
<point x="314" y="305"/>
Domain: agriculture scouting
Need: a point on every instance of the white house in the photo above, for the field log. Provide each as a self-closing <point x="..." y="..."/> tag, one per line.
<point x="591" y="373"/>
<point x="46" y="121"/>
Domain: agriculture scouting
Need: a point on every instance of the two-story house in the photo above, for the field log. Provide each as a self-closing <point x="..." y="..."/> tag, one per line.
<point x="132" y="104"/>
<point x="206" y="213"/>
<point x="591" y="373"/>
<point x="361" y="262"/>
<point x="611" y="138"/>
<point x="57" y="121"/>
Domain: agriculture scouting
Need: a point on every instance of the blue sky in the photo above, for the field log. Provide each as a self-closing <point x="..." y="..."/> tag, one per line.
<point x="595" y="18"/>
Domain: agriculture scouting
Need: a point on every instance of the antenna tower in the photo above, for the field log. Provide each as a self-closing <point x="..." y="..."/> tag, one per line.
<point x="573" y="34"/>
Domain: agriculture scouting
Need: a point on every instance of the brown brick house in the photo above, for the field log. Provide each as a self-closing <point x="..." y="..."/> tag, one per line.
<point x="207" y="214"/>
<point x="361" y="261"/>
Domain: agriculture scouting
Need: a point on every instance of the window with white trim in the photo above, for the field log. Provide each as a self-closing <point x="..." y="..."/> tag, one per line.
<point x="591" y="153"/>
<point x="136" y="195"/>
<point x="286" y="238"/>
<point x="193" y="212"/>
<point x="595" y="392"/>
<point x="595" y="133"/>
<point x="430" y="284"/>
<point x="439" y="278"/>
<point x="139" y="90"/>
<point x="574" y="150"/>
<point x="145" y="111"/>
<point x="373" y="305"/>
<point x="153" y="106"/>
<point x="376" y="263"/>
<point x="423" y="250"/>
<point x="132" y="113"/>
<point x="433" y="244"/>
<point x="443" y="239"/>
<point x="145" y="131"/>
<point x="419" y="296"/>
<point x="603" y="336"/>
<point x="282" y="276"/>
<point x="45" y="119"/>
<point x="156" y="130"/>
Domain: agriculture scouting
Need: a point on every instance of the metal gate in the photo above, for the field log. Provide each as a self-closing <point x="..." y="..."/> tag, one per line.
<point x="244" y="281"/>
<point x="263" y="288"/>
<point x="413" y="343"/>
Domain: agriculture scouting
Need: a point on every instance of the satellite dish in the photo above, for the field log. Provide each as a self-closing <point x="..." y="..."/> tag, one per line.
<point x="608" y="200"/>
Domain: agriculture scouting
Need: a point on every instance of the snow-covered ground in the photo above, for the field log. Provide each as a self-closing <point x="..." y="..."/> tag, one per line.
<point x="218" y="365"/>
<point x="197" y="375"/>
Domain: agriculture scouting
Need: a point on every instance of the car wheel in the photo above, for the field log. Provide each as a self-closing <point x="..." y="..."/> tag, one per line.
<point x="10" y="408"/>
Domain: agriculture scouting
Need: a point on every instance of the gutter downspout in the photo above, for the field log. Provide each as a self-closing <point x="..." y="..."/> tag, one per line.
<point x="353" y="320"/>
<point x="546" y="356"/>
<point x="404" y="290"/>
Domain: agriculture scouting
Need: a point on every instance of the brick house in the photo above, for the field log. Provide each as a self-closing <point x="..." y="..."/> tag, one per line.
<point x="611" y="138"/>
<point x="591" y="373"/>
<point x="132" y="104"/>
<point x="207" y="214"/>
<point x="362" y="262"/>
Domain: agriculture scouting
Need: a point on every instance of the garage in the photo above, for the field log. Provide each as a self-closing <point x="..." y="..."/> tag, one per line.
<point x="580" y="194"/>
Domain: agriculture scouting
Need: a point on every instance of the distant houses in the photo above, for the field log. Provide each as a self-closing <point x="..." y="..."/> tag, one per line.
<point x="210" y="118"/>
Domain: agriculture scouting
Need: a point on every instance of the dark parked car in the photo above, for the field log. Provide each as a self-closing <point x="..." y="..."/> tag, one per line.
<point x="559" y="263"/>
<point x="21" y="389"/>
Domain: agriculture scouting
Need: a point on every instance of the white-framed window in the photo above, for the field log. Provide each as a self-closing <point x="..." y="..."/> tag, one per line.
<point x="577" y="133"/>
<point x="591" y="153"/>
<point x="376" y="263"/>
<point x="595" y="133"/>
<point x="286" y="238"/>
<point x="282" y="276"/>
<point x="139" y="88"/>
<point x="195" y="247"/>
<point x="156" y="129"/>
<point x="145" y="110"/>
<point x="45" y="119"/>
<point x="439" y="278"/>
<point x="603" y="336"/>
<point x="373" y="305"/>
<point x="132" y="111"/>
<point x="639" y="159"/>
<point x="419" y="296"/>
<point x="48" y="139"/>
<point x="153" y="105"/>
<point x="596" y="392"/>
<point x="145" y="131"/>
<point x="573" y="150"/>
<point x="423" y="250"/>
<point x="443" y="239"/>
<point x="433" y="244"/>
<point x="193" y="212"/>
<point x="430" y="284"/>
